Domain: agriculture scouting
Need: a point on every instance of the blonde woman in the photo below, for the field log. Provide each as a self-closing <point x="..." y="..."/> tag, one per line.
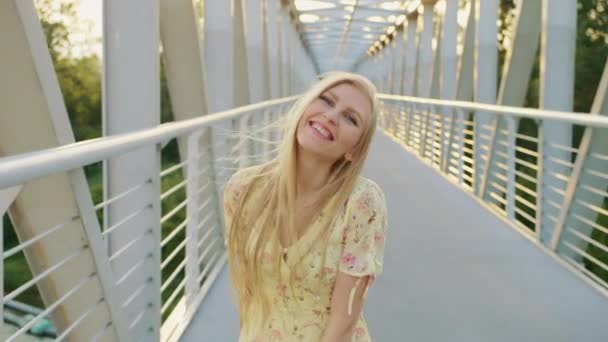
<point x="305" y="232"/>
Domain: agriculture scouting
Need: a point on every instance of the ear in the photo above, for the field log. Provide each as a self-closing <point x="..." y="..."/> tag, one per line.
<point x="348" y="157"/>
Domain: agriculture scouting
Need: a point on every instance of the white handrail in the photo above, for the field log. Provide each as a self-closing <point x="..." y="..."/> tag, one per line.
<point x="584" y="119"/>
<point x="25" y="167"/>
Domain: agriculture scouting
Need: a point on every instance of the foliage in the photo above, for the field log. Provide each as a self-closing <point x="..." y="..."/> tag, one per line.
<point x="591" y="51"/>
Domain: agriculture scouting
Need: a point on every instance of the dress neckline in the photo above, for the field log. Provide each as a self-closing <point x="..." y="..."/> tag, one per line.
<point x="287" y="252"/>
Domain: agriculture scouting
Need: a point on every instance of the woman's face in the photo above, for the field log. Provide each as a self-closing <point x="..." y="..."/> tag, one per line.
<point x="333" y="123"/>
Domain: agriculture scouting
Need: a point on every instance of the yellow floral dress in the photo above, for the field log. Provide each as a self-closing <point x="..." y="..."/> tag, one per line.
<point x="355" y="247"/>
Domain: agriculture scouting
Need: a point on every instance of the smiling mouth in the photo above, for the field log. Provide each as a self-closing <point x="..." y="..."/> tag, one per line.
<point x="322" y="131"/>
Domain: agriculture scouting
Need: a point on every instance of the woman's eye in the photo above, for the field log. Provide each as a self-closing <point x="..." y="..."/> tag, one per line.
<point x="350" y="118"/>
<point x="326" y="99"/>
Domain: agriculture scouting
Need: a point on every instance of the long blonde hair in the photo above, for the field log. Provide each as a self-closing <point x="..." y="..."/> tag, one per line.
<point x="274" y="207"/>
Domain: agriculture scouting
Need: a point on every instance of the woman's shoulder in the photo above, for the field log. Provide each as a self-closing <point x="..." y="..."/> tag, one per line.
<point x="244" y="174"/>
<point x="366" y="185"/>
<point x="241" y="179"/>
<point x="366" y="195"/>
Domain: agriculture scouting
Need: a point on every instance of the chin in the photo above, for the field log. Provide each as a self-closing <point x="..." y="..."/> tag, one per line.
<point x="312" y="146"/>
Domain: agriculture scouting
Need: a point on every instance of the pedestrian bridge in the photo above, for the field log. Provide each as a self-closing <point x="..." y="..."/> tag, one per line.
<point x="498" y="214"/>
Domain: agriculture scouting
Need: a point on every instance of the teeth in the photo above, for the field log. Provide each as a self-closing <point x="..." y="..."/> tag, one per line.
<point x="321" y="130"/>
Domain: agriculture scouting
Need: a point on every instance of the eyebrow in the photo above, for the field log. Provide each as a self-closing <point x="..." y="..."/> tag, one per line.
<point x="359" y="116"/>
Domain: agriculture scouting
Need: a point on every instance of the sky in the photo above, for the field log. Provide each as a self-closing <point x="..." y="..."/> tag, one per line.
<point x="91" y="11"/>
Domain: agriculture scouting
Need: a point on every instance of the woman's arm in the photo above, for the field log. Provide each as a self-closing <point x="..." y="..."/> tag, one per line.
<point x="341" y="324"/>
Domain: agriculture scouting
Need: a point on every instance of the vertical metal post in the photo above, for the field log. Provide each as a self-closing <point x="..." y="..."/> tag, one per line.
<point x="374" y="72"/>
<point x="540" y="179"/>
<point x="449" y="57"/>
<point x="264" y="53"/>
<point x="412" y="54"/>
<point x="392" y="67"/>
<point x="515" y="75"/>
<point x="510" y="195"/>
<point x="284" y="38"/>
<point x="380" y="70"/>
<point x="273" y="48"/>
<point x="241" y="56"/>
<point x="131" y="102"/>
<point x="558" y="43"/>
<point x="425" y="65"/>
<point x="219" y="49"/>
<point x="486" y="67"/>
<point x="192" y="186"/>
<point x="449" y="62"/>
<point x="219" y="54"/>
<point x="399" y="63"/>
<point x="460" y="119"/>
<point x="464" y="90"/>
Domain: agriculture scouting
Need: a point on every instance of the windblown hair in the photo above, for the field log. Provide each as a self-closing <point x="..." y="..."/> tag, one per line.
<point x="256" y="222"/>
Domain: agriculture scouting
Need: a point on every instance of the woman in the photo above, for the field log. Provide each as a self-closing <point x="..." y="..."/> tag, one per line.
<point x="305" y="232"/>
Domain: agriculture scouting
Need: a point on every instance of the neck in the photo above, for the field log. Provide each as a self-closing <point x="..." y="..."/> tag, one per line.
<point x="312" y="173"/>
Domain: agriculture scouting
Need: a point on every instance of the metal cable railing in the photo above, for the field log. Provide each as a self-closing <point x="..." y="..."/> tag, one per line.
<point x="555" y="194"/>
<point x="106" y="273"/>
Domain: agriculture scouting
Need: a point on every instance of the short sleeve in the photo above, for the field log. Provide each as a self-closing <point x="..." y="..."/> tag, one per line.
<point x="364" y="234"/>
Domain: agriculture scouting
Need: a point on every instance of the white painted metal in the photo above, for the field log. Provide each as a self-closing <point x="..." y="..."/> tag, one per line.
<point x="510" y="193"/>
<point x="28" y="73"/>
<point x="74" y="156"/>
<point x="219" y="55"/>
<point x="437" y="61"/>
<point x="411" y="55"/>
<point x="449" y="57"/>
<point x="425" y="64"/>
<point x="593" y="143"/>
<point x="449" y="70"/>
<point x="556" y="92"/>
<point x="395" y="58"/>
<point x="542" y="115"/>
<point x="466" y="66"/>
<point x="241" y="59"/>
<point x="131" y="102"/>
<point x="486" y="68"/>
<point x="514" y="83"/>
<point x="400" y="52"/>
<point x="192" y="189"/>
<point x="384" y="66"/>
<point x="184" y="67"/>
<point x="273" y="48"/>
<point x="264" y="53"/>
<point x="29" y="166"/>
<point x="285" y="51"/>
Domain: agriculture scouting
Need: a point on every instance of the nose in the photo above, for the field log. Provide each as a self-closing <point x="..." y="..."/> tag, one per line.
<point x="332" y="115"/>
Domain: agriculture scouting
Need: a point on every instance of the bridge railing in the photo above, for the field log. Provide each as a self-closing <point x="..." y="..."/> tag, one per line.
<point x="545" y="172"/>
<point x="148" y="284"/>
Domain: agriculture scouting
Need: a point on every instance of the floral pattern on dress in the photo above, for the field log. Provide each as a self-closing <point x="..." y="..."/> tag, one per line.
<point x="300" y="312"/>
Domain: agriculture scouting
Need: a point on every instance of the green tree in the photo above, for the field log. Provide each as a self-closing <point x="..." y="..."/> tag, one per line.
<point x="79" y="77"/>
<point x="591" y="51"/>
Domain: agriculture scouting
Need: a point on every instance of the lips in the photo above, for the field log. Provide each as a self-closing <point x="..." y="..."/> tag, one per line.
<point x="321" y="130"/>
